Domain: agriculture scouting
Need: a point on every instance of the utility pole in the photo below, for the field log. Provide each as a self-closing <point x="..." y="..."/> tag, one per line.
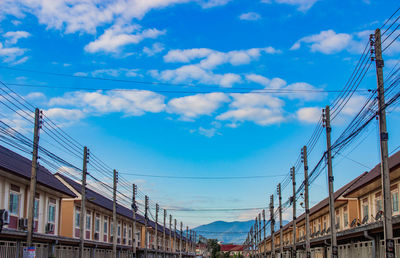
<point x="164" y="239"/>
<point x="327" y="122"/>
<point x="385" y="173"/>
<point x="175" y="236"/>
<point x="146" y="218"/>
<point x="305" y="162"/>
<point x="83" y="204"/>
<point x="265" y="242"/>
<point x="260" y="242"/>
<point x="256" y="234"/>
<point x="293" y="174"/>
<point x="156" y="227"/>
<point x="115" y="222"/>
<point x="187" y="239"/>
<point x="171" y="243"/>
<point x="180" y="242"/>
<point x="271" y="211"/>
<point x="252" y="242"/>
<point x="280" y="221"/>
<point x="134" y="209"/>
<point x="32" y="187"/>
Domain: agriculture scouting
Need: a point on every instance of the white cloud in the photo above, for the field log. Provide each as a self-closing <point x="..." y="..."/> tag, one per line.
<point x="12" y="37"/>
<point x="330" y="42"/>
<point x="302" y="5"/>
<point x="213" y="3"/>
<point x="116" y="37"/>
<point x="327" y="42"/>
<point x="63" y="114"/>
<point x="309" y="114"/>
<point x="212" y="58"/>
<point x="250" y="16"/>
<point x="194" y="73"/>
<point x="130" y="103"/>
<point x="353" y="105"/>
<point x="259" y="79"/>
<point x="12" y="54"/>
<point x="190" y="107"/>
<point x="261" y="109"/>
<point x="154" y="49"/>
<point x="35" y="95"/>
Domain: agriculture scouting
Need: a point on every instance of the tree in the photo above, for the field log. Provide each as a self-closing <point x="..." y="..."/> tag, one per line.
<point x="213" y="247"/>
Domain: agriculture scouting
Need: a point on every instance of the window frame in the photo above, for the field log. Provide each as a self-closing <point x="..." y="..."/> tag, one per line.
<point x="18" y="194"/>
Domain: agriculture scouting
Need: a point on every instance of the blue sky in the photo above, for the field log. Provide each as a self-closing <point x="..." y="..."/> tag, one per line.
<point x="206" y="49"/>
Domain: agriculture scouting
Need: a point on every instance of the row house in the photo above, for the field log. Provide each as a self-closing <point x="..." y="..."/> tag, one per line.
<point x="98" y="223"/>
<point x="15" y="172"/>
<point x="356" y="204"/>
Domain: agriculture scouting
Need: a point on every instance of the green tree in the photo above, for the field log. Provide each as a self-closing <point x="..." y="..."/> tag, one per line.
<point x="213" y="247"/>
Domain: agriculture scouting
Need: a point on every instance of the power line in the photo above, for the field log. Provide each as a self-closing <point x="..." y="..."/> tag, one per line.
<point x="204" y="177"/>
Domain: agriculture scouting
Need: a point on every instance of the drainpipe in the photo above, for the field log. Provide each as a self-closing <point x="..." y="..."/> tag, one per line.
<point x="373" y="242"/>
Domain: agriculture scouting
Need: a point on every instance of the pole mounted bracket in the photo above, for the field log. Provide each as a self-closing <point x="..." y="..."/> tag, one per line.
<point x="384" y="136"/>
<point x="331" y="178"/>
<point x="379" y="63"/>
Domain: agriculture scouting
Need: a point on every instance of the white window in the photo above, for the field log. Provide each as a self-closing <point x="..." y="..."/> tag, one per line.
<point x="365" y="208"/>
<point x="111" y="228"/>
<point x="77" y="217"/>
<point x="395" y="201"/>
<point x="97" y="223"/>
<point x="52" y="211"/>
<point x="14" y="203"/>
<point x="345" y="217"/>
<point x="36" y="208"/>
<point x="119" y="230"/>
<point x="105" y="225"/>
<point x="88" y="220"/>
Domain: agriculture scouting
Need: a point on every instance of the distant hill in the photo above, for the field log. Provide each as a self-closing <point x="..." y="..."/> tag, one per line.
<point x="229" y="232"/>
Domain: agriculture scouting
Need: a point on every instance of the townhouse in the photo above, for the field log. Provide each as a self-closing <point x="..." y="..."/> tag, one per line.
<point x="15" y="171"/>
<point x="358" y="213"/>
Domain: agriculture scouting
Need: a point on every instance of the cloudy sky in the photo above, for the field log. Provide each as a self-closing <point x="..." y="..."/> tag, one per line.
<point x="221" y="88"/>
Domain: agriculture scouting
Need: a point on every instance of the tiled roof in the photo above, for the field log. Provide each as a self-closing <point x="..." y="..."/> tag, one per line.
<point x="230" y="248"/>
<point x="106" y="203"/>
<point x="375" y="173"/>
<point x="14" y="163"/>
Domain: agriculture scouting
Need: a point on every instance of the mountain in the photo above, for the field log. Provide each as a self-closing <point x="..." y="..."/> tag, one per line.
<point x="229" y="232"/>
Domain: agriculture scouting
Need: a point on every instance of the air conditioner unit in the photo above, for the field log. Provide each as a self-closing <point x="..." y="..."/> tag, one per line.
<point x="96" y="236"/>
<point x="49" y="228"/>
<point x="23" y="223"/>
<point x="4" y="217"/>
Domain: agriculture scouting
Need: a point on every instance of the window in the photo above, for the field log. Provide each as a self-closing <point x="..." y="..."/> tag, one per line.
<point x="97" y="223"/>
<point x="119" y="230"/>
<point x="36" y="208"/>
<point x="365" y="208"/>
<point x="130" y="232"/>
<point x="395" y="201"/>
<point x="124" y="231"/>
<point x="14" y="203"/>
<point x="77" y="217"/>
<point x="88" y="220"/>
<point x="105" y="225"/>
<point x="52" y="213"/>
<point x="345" y="217"/>
<point x="112" y="228"/>
<point x="337" y="221"/>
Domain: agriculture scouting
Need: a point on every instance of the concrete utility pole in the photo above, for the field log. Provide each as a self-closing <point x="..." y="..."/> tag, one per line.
<point x="32" y="187"/>
<point x="134" y="209"/>
<point x="327" y="121"/>
<point x="385" y="173"/>
<point x="306" y="202"/>
<point x="171" y="243"/>
<point x="252" y="241"/>
<point x="176" y="242"/>
<point x="146" y="218"/>
<point x="293" y="174"/>
<point x="156" y="227"/>
<point x="180" y="241"/>
<point x="271" y="211"/>
<point x="115" y="222"/>
<point x="256" y="234"/>
<point x="83" y="204"/>
<point x="263" y="215"/>
<point x="260" y="242"/>
<point x="164" y="239"/>
<point x="187" y="240"/>
<point x="280" y="221"/>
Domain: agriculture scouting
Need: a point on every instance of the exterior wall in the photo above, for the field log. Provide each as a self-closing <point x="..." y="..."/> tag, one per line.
<point x="19" y="187"/>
